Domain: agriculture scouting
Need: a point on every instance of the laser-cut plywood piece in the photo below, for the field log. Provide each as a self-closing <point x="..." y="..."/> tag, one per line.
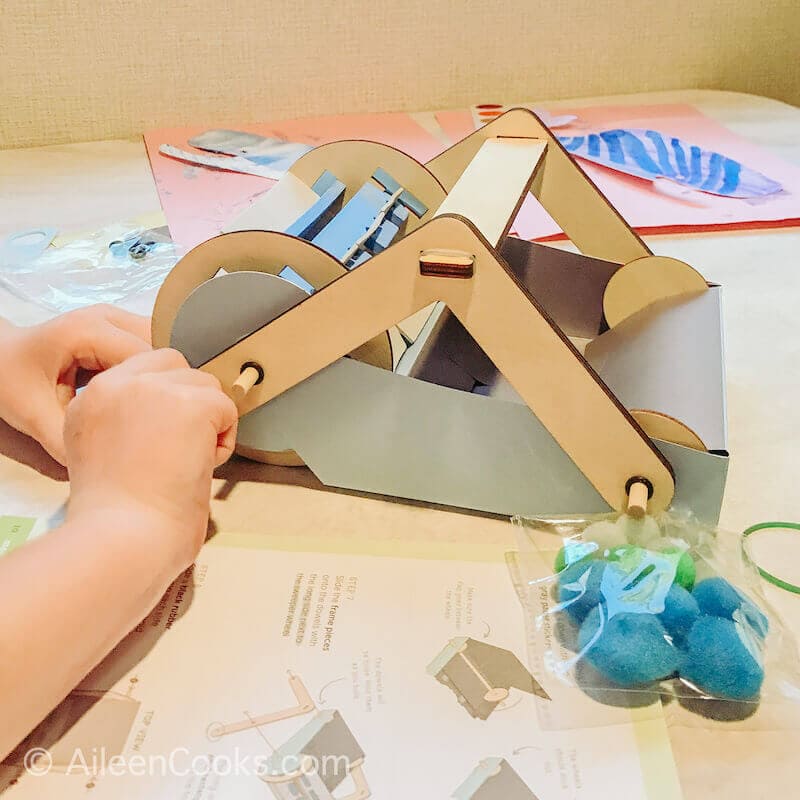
<point x="450" y="254"/>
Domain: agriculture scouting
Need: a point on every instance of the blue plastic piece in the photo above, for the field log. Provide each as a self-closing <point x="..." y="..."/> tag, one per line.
<point x="382" y="238"/>
<point x="723" y="659"/>
<point x="312" y="221"/>
<point x="717" y="597"/>
<point x="288" y="274"/>
<point x="398" y="215"/>
<point x="680" y="613"/>
<point x="579" y="588"/>
<point x="411" y="202"/>
<point x="358" y="260"/>
<point x="324" y="182"/>
<point x="629" y="649"/>
<point x="350" y="224"/>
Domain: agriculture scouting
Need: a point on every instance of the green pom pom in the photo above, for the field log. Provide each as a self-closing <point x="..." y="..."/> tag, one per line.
<point x="623" y="552"/>
<point x="573" y="553"/>
<point x="632" y="561"/>
<point x="686" y="571"/>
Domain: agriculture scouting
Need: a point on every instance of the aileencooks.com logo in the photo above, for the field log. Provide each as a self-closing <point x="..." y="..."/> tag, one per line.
<point x="181" y="762"/>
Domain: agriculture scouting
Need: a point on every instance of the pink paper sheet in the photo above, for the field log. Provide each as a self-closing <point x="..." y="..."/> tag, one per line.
<point x="639" y="203"/>
<point x="198" y="202"/>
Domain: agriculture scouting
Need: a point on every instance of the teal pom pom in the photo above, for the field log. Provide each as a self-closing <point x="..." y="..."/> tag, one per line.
<point x="718" y="598"/>
<point x="680" y="613"/>
<point x="630" y="649"/>
<point x="723" y="659"/>
<point x="579" y="588"/>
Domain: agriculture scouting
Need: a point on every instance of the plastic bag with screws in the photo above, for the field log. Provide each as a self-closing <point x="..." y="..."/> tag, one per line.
<point x="121" y="264"/>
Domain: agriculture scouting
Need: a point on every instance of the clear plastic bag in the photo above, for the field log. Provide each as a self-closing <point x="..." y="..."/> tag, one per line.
<point x="121" y="264"/>
<point x="659" y="610"/>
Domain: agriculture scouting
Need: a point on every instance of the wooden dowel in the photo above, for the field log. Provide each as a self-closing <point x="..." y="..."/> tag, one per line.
<point x="637" y="499"/>
<point x="244" y="383"/>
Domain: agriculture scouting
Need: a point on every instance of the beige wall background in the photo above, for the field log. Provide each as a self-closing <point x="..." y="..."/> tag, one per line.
<point x="93" y="69"/>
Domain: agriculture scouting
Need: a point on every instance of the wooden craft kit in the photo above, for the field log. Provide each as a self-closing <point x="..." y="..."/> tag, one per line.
<point x="373" y="319"/>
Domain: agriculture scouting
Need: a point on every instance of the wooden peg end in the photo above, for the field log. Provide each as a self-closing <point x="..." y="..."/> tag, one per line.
<point x="248" y="378"/>
<point x="638" y="495"/>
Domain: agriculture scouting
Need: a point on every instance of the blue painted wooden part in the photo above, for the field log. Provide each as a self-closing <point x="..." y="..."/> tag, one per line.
<point x="382" y="238"/>
<point x="324" y="182"/>
<point x="288" y="274"/>
<point x="406" y="198"/>
<point x="312" y="221"/>
<point x="358" y="259"/>
<point x="398" y="215"/>
<point x="351" y="223"/>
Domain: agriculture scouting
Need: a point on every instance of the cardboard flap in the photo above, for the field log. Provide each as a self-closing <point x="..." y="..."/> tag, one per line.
<point x="389" y="434"/>
<point x="670" y="359"/>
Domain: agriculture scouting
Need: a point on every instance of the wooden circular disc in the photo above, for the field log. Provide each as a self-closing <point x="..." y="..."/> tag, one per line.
<point x="254" y="251"/>
<point x="214" y="731"/>
<point x="493" y="765"/>
<point x="661" y="426"/>
<point x="204" y="326"/>
<point x="644" y="281"/>
<point x="225" y="309"/>
<point x="353" y="162"/>
<point x="496" y="695"/>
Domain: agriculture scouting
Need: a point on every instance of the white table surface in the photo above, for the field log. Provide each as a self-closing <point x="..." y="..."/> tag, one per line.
<point x="85" y="186"/>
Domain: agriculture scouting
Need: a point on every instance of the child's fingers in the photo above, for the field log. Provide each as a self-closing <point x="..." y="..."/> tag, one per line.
<point x="132" y="323"/>
<point x="193" y="377"/>
<point x="46" y="423"/>
<point x="135" y="324"/>
<point x="218" y="408"/>
<point x="162" y="360"/>
<point x="226" y="442"/>
<point x="103" y="345"/>
<point x="212" y="405"/>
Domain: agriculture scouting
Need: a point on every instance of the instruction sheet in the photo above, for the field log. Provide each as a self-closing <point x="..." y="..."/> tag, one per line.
<point x="322" y="669"/>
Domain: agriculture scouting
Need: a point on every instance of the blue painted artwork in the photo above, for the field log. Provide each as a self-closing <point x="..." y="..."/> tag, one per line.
<point x="653" y="155"/>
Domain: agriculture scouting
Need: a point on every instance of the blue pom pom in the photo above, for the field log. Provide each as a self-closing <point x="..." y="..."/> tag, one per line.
<point x="579" y="588"/>
<point x="680" y="613"/>
<point x="723" y="659"/>
<point x="630" y="650"/>
<point x="718" y="598"/>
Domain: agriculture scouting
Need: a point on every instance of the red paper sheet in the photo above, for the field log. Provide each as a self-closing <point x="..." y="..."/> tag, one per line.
<point x="198" y="202"/>
<point x="640" y="204"/>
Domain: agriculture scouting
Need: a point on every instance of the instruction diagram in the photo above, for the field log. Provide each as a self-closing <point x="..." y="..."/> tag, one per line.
<point x="316" y="760"/>
<point x="305" y="705"/>
<point x="482" y="674"/>
<point x="494" y="779"/>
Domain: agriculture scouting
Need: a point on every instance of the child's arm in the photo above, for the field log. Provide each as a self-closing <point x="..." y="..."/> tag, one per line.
<point x="141" y="442"/>
<point x="41" y="363"/>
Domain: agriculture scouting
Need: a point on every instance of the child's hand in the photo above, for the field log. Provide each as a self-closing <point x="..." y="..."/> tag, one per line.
<point x="142" y="441"/>
<point x="42" y="362"/>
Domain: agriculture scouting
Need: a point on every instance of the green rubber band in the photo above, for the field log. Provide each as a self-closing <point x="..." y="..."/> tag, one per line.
<point x="768" y="576"/>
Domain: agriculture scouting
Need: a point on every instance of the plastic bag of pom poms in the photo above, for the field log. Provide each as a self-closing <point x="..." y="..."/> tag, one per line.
<point x="657" y="610"/>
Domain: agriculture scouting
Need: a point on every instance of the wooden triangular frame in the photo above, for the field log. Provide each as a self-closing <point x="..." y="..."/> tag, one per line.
<point x="452" y="257"/>
<point x="565" y="394"/>
<point x="581" y="210"/>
